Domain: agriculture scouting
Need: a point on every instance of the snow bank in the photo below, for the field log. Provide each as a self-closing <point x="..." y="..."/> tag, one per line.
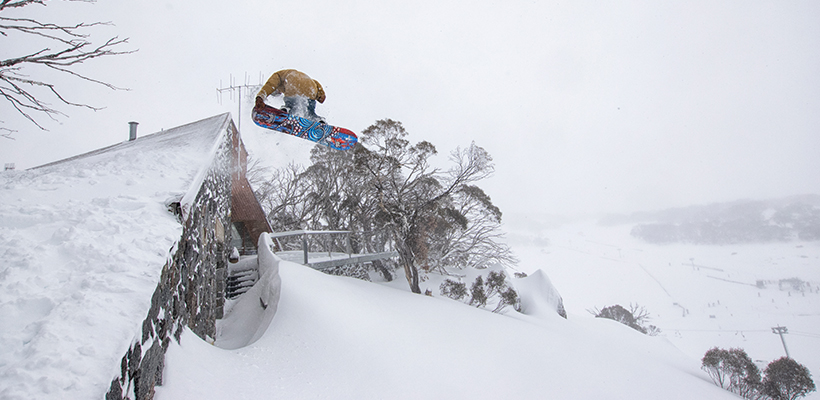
<point x="341" y="338"/>
<point x="539" y="298"/>
<point x="251" y="314"/>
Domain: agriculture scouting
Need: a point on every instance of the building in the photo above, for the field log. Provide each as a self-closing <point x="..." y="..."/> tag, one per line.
<point x="92" y="242"/>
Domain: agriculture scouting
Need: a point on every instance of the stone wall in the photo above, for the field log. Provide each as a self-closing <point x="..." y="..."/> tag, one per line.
<point x="191" y="289"/>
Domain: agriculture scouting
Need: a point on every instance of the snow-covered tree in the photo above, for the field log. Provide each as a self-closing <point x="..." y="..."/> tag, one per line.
<point x="636" y="317"/>
<point x="388" y="191"/>
<point x="418" y="203"/>
<point x="733" y="370"/>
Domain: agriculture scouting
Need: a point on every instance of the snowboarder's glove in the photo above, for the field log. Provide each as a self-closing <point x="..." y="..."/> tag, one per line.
<point x="259" y="102"/>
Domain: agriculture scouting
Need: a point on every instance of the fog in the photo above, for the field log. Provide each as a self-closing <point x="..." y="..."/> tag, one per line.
<point x="585" y="107"/>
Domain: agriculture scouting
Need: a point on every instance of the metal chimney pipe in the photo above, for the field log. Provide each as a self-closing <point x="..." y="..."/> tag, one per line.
<point x="133" y="130"/>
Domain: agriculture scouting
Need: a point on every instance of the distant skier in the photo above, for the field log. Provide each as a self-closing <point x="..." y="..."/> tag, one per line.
<point x="300" y="91"/>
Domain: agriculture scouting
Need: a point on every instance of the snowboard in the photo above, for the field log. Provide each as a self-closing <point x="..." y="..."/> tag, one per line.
<point x="331" y="136"/>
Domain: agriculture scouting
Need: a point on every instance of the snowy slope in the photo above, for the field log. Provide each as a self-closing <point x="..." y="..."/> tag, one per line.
<point x="336" y="337"/>
<point x="714" y="303"/>
<point x="366" y="346"/>
<point x="82" y="244"/>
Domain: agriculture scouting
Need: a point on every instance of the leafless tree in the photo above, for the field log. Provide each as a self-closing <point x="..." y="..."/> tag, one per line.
<point x="479" y="241"/>
<point x="57" y="48"/>
<point x="283" y="197"/>
<point x="636" y="317"/>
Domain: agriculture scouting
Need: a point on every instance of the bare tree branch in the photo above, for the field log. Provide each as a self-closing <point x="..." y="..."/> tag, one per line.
<point x="22" y="3"/>
<point x="16" y="4"/>
<point x="69" y="46"/>
<point x="6" y="132"/>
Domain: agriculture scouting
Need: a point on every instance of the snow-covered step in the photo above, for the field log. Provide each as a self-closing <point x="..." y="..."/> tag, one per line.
<point x="241" y="277"/>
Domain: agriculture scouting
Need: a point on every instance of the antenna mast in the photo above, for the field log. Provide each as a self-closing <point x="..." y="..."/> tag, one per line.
<point x="238" y="89"/>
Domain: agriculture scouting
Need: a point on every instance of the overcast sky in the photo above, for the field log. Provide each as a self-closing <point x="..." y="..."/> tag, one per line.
<point x="585" y="106"/>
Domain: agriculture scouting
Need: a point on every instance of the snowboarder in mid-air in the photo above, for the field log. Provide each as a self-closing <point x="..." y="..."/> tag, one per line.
<point x="298" y="116"/>
<point x="300" y="91"/>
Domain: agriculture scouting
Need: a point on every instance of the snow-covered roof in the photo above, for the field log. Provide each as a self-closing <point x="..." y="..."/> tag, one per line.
<point x="82" y="244"/>
<point x="183" y="154"/>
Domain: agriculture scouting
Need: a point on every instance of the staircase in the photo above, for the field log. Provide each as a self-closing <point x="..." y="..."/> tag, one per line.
<point x="241" y="277"/>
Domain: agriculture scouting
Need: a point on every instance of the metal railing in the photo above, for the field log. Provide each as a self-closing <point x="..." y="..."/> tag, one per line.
<point x="329" y="245"/>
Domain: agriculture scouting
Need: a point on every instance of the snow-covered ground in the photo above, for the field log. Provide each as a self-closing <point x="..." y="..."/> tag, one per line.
<point x="714" y="303"/>
<point x="372" y="340"/>
<point x="337" y="337"/>
<point x="341" y="338"/>
<point x="82" y="244"/>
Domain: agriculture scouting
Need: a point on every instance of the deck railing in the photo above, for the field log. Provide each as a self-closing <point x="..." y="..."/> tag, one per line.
<point x="350" y="258"/>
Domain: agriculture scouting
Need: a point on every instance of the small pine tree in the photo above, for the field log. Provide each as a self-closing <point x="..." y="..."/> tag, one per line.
<point x="787" y="379"/>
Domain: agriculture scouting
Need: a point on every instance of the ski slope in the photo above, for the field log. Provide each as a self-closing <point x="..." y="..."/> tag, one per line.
<point x="699" y="296"/>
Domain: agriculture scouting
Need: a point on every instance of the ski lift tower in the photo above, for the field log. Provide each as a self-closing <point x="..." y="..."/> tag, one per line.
<point x="780" y="330"/>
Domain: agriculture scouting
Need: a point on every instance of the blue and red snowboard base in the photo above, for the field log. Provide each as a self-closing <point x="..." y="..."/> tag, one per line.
<point x="319" y="132"/>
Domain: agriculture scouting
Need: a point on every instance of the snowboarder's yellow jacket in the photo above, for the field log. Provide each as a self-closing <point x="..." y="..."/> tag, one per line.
<point x="291" y="82"/>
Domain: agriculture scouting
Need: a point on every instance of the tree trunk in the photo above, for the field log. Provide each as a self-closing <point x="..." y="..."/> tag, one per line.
<point x="412" y="274"/>
<point x="378" y="265"/>
<point x="410" y="270"/>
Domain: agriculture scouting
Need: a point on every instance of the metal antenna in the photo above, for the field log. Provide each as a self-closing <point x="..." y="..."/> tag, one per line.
<point x="238" y="89"/>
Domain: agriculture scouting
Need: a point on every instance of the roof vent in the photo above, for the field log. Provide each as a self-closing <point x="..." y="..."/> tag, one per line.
<point x="132" y="133"/>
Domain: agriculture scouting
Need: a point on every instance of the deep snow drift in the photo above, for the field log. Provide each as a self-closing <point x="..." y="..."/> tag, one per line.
<point x="341" y="338"/>
<point x="337" y="337"/>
